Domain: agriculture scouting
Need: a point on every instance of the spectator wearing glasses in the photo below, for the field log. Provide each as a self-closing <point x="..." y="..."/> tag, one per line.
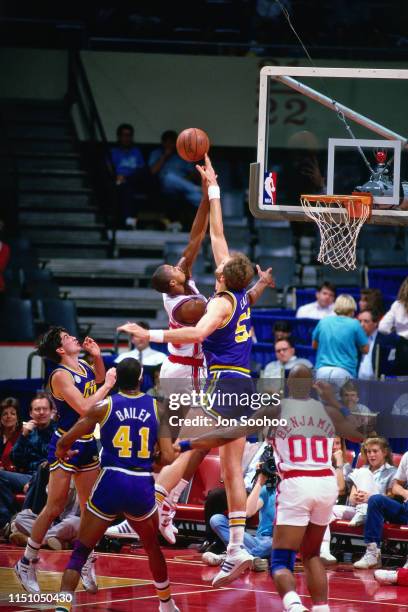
<point x="275" y="371"/>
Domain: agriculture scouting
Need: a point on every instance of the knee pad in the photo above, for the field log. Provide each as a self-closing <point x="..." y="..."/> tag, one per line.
<point x="282" y="558"/>
<point x="78" y="557"/>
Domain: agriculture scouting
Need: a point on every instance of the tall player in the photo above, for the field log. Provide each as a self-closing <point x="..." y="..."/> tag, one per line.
<point x="73" y="386"/>
<point x="308" y="487"/>
<point x="129" y="436"/>
<point x="224" y="331"/>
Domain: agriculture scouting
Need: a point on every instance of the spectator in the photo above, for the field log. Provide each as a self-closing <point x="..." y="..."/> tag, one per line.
<point x="4" y="259"/>
<point x="361" y="414"/>
<point x="62" y="532"/>
<point x="368" y="367"/>
<point x="28" y="452"/>
<point x="10" y="428"/>
<point x="343" y="469"/>
<point x="371" y="299"/>
<point x="396" y="319"/>
<point x="130" y="174"/>
<point x="286" y="360"/>
<point x="143" y="351"/>
<point x="175" y="175"/>
<point x="322" y="307"/>
<point x="262" y="498"/>
<point x="338" y="341"/>
<point x="382" y="508"/>
<point x="376" y="476"/>
<point x="281" y="330"/>
<point x="156" y="391"/>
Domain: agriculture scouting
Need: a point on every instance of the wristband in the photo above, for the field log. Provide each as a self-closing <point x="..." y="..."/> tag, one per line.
<point x="156" y="335"/>
<point x="185" y="445"/>
<point x="214" y="192"/>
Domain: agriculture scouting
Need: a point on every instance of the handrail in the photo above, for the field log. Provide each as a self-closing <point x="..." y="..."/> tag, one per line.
<point x="79" y="91"/>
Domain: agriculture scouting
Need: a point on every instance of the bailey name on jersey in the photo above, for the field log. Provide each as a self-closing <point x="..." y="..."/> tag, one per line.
<point x="132" y="412"/>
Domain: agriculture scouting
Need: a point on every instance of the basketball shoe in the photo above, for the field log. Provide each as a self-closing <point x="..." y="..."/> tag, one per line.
<point x="235" y="563"/>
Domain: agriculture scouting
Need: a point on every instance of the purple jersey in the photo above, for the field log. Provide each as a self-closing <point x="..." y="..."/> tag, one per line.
<point x="129" y="432"/>
<point x="84" y="380"/>
<point x="229" y="346"/>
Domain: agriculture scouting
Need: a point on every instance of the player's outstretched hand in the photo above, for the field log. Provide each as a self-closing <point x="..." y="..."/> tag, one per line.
<point x="90" y="346"/>
<point x="134" y="330"/>
<point x="110" y="377"/>
<point x="266" y="277"/>
<point x="207" y="172"/>
<point x="176" y="448"/>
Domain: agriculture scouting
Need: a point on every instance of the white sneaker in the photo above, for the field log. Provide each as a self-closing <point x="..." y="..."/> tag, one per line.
<point x="295" y="607"/>
<point x="234" y="565"/>
<point x="122" y="530"/>
<point x="168" y="606"/>
<point x="405" y="566"/>
<point x="27" y="575"/>
<point x="386" y="576"/>
<point x="212" y="559"/>
<point x="327" y="557"/>
<point x="358" y="519"/>
<point x="166" y="527"/>
<point x="371" y="558"/>
<point x="88" y="575"/>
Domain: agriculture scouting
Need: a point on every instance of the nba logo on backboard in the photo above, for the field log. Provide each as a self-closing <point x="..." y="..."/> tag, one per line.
<point x="270" y="188"/>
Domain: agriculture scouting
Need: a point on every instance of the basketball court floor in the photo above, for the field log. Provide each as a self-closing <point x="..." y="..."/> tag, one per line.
<point x="126" y="584"/>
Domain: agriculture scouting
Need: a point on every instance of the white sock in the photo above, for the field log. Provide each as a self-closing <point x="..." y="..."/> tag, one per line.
<point x="321" y="608"/>
<point x="161" y="494"/>
<point x="32" y="549"/>
<point x="291" y="598"/>
<point x="175" y="493"/>
<point x="237" y="521"/>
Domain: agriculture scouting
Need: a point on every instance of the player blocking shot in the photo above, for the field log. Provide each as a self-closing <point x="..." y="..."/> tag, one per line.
<point x="74" y="388"/>
<point x="224" y="331"/>
<point x="129" y="425"/>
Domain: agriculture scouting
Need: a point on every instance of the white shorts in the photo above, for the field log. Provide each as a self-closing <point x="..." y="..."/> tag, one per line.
<point x="180" y="378"/>
<point x="306" y="499"/>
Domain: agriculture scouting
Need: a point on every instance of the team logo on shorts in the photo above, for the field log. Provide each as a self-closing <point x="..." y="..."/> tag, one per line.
<point x="77" y="378"/>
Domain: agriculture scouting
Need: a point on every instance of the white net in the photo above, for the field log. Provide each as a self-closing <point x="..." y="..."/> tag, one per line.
<point x="340" y="220"/>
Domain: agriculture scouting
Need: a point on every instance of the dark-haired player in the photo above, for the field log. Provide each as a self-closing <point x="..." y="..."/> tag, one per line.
<point x="73" y="385"/>
<point x="224" y="331"/>
<point x="129" y="436"/>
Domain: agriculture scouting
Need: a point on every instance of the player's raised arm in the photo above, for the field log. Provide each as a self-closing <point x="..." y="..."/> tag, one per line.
<point x="197" y="233"/>
<point x="64" y="388"/>
<point x="218" y="311"/>
<point x="218" y="242"/>
<point x="265" y="279"/>
<point x="92" y="348"/>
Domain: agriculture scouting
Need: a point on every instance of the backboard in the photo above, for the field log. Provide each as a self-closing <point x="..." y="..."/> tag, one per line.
<point x="331" y="131"/>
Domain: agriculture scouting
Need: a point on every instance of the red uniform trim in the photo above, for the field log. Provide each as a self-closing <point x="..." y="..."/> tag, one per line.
<point x="312" y="473"/>
<point x="189" y="361"/>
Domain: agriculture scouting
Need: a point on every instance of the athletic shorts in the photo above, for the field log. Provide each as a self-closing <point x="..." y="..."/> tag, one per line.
<point x="180" y="378"/>
<point x="85" y="460"/>
<point x="117" y="491"/>
<point x="306" y="499"/>
<point x="228" y="394"/>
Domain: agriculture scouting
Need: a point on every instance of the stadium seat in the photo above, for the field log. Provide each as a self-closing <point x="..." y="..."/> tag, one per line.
<point x="60" y="312"/>
<point x="306" y="352"/>
<point x="262" y="353"/>
<point x="276" y="238"/>
<point x="384" y="256"/>
<point x="16" y="321"/>
<point x="206" y="478"/>
<point x="302" y="330"/>
<point x="387" y="279"/>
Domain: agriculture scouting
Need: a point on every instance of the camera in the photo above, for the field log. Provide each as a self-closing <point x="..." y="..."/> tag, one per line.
<point x="267" y="467"/>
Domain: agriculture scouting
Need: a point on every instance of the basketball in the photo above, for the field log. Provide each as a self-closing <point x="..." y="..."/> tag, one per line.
<point x="192" y="144"/>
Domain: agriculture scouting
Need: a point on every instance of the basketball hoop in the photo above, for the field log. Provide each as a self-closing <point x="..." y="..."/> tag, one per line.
<point x="340" y="219"/>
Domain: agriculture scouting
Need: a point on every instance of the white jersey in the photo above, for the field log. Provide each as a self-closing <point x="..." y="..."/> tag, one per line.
<point x="171" y="304"/>
<point x="306" y="442"/>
